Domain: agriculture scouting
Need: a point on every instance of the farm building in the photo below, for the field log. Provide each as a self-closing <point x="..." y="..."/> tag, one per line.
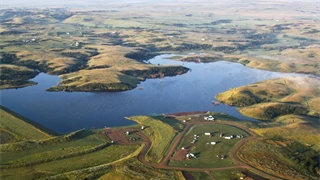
<point x="213" y="143"/>
<point x="207" y="134"/>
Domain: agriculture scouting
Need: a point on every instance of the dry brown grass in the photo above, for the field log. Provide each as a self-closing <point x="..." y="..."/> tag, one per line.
<point x="278" y="148"/>
<point x="111" y="57"/>
<point x="302" y="90"/>
<point x="16" y="68"/>
<point x="268" y="157"/>
<point x="302" y="129"/>
<point x="114" y="58"/>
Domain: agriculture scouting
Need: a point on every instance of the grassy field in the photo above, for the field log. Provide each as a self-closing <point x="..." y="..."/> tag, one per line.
<point x="302" y="129"/>
<point x="54" y="151"/>
<point x="284" y="158"/>
<point x="160" y="134"/>
<point x="228" y="174"/>
<point x="207" y="153"/>
<point x="107" y="155"/>
<point x="201" y="176"/>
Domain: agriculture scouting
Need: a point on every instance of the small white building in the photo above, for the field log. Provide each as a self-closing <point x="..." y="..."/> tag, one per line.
<point x="213" y="143"/>
<point x="209" y="118"/>
<point x="221" y="156"/>
<point x="221" y="135"/>
<point x="207" y="134"/>
<point x="127" y="133"/>
<point x="190" y="155"/>
<point x="228" y="137"/>
<point x="239" y="136"/>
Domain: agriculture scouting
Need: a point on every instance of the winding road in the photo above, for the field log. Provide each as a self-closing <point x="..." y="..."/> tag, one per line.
<point x="164" y="162"/>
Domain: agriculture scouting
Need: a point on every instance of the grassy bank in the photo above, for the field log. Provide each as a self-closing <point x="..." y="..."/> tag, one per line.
<point x="161" y="135"/>
<point x="15" y="127"/>
<point x="270" y="99"/>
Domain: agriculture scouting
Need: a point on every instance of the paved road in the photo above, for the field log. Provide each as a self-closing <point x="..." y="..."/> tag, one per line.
<point x="164" y="163"/>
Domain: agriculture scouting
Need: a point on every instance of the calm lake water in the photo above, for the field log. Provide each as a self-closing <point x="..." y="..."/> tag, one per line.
<point x="64" y="111"/>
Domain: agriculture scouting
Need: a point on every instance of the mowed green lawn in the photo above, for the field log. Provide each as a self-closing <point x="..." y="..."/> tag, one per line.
<point x="107" y="155"/>
<point x="207" y="153"/>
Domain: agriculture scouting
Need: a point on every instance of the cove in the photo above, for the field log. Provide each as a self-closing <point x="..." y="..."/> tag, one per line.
<point x="65" y="112"/>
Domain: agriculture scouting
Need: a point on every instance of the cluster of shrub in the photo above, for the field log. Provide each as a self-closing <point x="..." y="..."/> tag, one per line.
<point x="280" y="109"/>
<point x="156" y="72"/>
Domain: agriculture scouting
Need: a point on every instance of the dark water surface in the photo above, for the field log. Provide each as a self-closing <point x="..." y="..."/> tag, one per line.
<point x="64" y="111"/>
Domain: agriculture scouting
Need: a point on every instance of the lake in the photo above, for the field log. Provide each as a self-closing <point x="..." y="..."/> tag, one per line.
<point x="194" y="91"/>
